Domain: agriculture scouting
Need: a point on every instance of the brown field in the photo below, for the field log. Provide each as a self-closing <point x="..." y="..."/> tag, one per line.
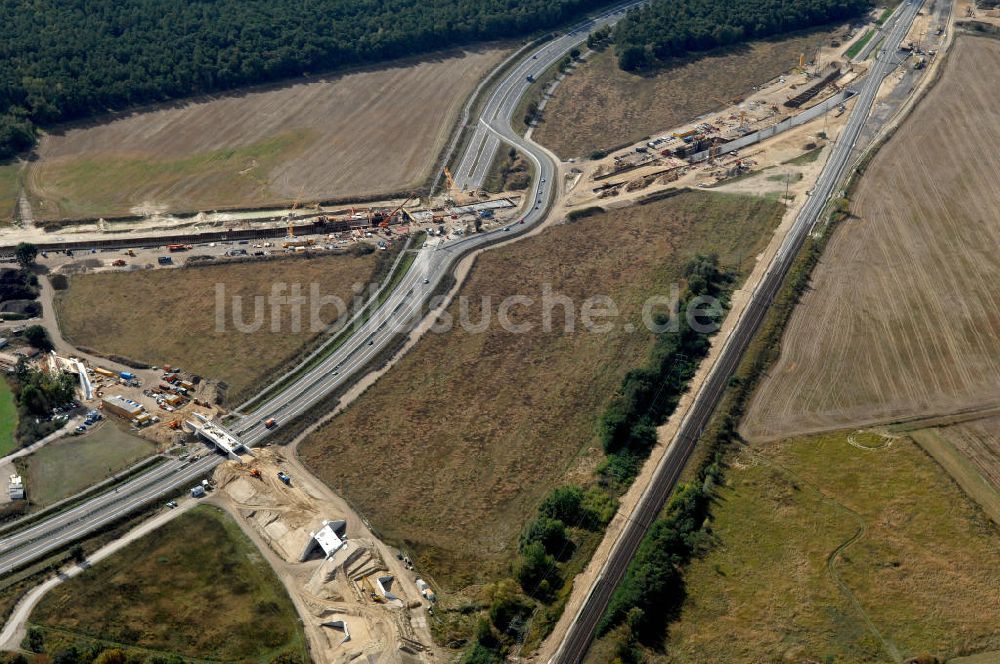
<point x="599" y="106"/>
<point x="356" y="134"/>
<point x="797" y="518"/>
<point x="903" y="318"/>
<point x="450" y="452"/>
<point x="168" y="316"/>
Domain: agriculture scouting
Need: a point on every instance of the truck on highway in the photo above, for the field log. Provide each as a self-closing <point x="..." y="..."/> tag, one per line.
<point x="270" y="423"/>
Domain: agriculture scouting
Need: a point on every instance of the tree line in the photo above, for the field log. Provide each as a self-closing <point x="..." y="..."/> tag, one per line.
<point x="79" y="58"/>
<point x="627" y="430"/>
<point x="665" y="29"/>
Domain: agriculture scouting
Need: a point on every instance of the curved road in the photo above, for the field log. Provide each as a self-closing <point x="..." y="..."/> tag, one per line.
<point x="398" y="313"/>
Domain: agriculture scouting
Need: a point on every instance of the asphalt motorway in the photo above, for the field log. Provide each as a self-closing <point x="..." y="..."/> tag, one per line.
<point x="577" y="640"/>
<point x="400" y="310"/>
<point x="497" y="114"/>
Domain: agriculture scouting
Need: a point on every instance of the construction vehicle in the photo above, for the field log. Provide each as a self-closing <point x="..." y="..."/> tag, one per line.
<point x="131" y="253"/>
<point x="119" y="263"/>
<point x="383" y="220"/>
<point x="255" y="472"/>
<point x="179" y="247"/>
<point x="285" y="477"/>
<point x="370" y="589"/>
<point x="295" y="244"/>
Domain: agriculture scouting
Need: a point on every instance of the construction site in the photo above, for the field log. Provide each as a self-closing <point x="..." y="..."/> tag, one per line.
<point x="787" y="120"/>
<point x="357" y="598"/>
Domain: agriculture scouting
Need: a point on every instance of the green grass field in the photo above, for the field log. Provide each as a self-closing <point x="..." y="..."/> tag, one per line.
<point x="824" y="551"/>
<point x="806" y="157"/>
<point x="8" y="418"/>
<point x="9" y="186"/>
<point x="859" y="44"/>
<point x="92" y="187"/>
<point x="196" y="588"/>
<point x="71" y="464"/>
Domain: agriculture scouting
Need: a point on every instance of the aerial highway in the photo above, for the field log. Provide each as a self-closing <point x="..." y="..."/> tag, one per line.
<point x="398" y="312"/>
<point x="581" y="631"/>
<point x="497" y="114"/>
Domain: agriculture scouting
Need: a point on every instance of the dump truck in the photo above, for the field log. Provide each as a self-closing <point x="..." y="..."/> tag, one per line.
<point x="284" y="477"/>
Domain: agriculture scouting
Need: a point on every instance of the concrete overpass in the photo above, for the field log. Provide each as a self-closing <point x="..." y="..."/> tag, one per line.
<point x="224" y="441"/>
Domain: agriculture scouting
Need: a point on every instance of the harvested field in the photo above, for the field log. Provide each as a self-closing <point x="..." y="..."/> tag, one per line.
<point x="169" y="316"/>
<point x="970" y="453"/>
<point x="920" y="561"/>
<point x="449" y="453"/>
<point x="600" y="106"/>
<point x="903" y="318"/>
<point x="325" y="137"/>
<point x="196" y="588"/>
<point x="70" y="465"/>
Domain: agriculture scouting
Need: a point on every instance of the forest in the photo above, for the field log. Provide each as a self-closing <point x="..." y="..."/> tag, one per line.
<point x="75" y="59"/>
<point x="664" y="29"/>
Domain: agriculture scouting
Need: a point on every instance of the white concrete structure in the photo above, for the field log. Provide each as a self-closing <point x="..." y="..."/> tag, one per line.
<point x="215" y="434"/>
<point x="16" y="488"/>
<point x="73" y="365"/>
<point x="330" y="538"/>
<point x="340" y="624"/>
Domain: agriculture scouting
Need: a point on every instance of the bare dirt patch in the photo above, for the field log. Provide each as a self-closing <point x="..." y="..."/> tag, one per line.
<point x="169" y="316"/>
<point x="356" y="134"/>
<point x="902" y="320"/>
<point x="600" y="106"/>
<point x="451" y="451"/>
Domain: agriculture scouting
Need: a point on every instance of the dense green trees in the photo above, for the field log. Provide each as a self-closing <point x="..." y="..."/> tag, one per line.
<point x="667" y="28"/>
<point x="649" y="394"/>
<point x="77" y="58"/>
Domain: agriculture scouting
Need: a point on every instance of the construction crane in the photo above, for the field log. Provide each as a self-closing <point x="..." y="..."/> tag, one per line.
<point x="386" y="219"/>
<point x="449" y="178"/>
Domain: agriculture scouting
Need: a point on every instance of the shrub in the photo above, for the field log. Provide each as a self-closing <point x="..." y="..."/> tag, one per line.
<point x="537" y="572"/>
<point x="551" y="534"/>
